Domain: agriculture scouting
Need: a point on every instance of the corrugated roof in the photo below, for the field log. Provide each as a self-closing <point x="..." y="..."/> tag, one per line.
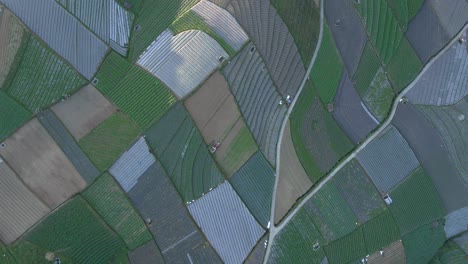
<point x="62" y="32"/>
<point x="227" y="223"/>
<point x="183" y="61"/>
<point x="456" y="222"/>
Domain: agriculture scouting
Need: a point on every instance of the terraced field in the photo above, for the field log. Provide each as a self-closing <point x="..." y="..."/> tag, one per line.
<point x="254" y="182"/>
<point x="110" y="139"/>
<point x="330" y="213"/>
<point x="359" y="192"/>
<point x="404" y="10"/>
<point x="424" y="242"/>
<point x="182" y="152"/>
<point x="136" y="92"/>
<point x="303" y="21"/>
<point x="78" y="233"/>
<point x="257" y="98"/>
<point x="403" y="67"/>
<point x="12" y="115"/>
<point x="415" y="202"/>
<point x="112" y="204"/>
<point x="42" y="78"/>
<point x="319" y="141"/>
<point x="153" y="18"/>
<point x="348" y="249"/>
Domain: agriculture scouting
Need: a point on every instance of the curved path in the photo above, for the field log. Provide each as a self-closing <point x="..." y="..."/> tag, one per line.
<point x="274" y="230"/>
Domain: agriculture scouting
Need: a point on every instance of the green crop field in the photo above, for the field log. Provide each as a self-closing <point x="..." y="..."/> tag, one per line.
<point x="415" y="202"/>
<point x="25" y="252"/>
<point x="379" y="96"/>
<point x="18" y="39"/>
<point x="349" y="249"/>
<point x="78" y="233"/>
<point x="382" y="27"/>
<point x="405" y="10"/>
<point x="135" y="91"/>
<point x="368" y="66"/>
<point x="136" y="4"/>
<point x="404" y="66"/>
<point x="192" y="21"/>
<point x="112" y="204"/>
<point x="111" y="138"/>
<point x="42" y="78"/>
<point x="153" y="18"/>
<point x="423" y="243"/>
<point x="302" y="17"/>
<point x="182" y="152"/>
<point x="380" y="232"/>
<point x="450" y="253"/>
<point x="294" y="243"/>
<point x="326" y="73"/>
<point x="319" y="141"/>
<point x="330" y="213"/>
<point x="12" y="115"/>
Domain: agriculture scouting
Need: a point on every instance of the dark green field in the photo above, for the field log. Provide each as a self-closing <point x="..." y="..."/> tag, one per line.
<point x="423" y="243"/>
<point x="12" y="115"/>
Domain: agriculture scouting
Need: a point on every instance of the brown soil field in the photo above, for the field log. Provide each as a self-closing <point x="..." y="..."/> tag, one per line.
<point x="84" y="111"/>
<point x="11" y="33"/>
<point x="293" y="181"/>
<point x="393" y="254"/>
<point x="42" y="166"/>
<point x="20" y="208"/>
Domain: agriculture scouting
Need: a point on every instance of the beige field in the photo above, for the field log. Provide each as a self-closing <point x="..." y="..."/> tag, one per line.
<point x="41" y="165"/>
<point x="84" y="111"/>
<point x="393" y="254"/>
<point x="293" y="181"/>
<point x="11" y="33"/>
<point x="20" y="208"/>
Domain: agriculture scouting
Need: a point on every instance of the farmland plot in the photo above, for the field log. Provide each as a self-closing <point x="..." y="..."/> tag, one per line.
<point x="12" y="115"/>
<point x="112" y="204"/>
<point x="451" y="126"/>
<point x="110" y="139"/>
<point x="257" y="98"/>
<point x="182" y="152"/>
<point x="415" y="202"/>
<point x="455" y="222"/>
<point x="41" y="165"/>
<point x="77" y="232"/>
<point x="216" y="115"/>
<point x="380" y="232"/>
<point x="136" y="92"/>
<point x="405" y="10"/>
<point x="452" y="14"/>
<point x="350" y="248"/>
<point x="146" y="254"/>
<point x="450" y="253"/>
<point x="424" y="242"/>
<point x="227" y="223"/>
<point x="393" y="254"/>
<point x="258" y="253"/>
<point x="273" y="41"/>
<point x="462" y="242"/>
<point x="42" y="78"/>
<point x="294" y="243"/>
<point x="254" y="182"/>
<point x="27" y="252"/>
<point x="403" y="67"/>
<point x="388" y="159"/>
<point x="173" y="229"/>
<point x="293" y="181"/>
<point x="379" y="96"/>
<point x="330" y="213"/>
<point x="83" y="111"/>
<point x="359" y="192"/>
<point x="446" y="81"/>
<point x="303" y="21"/>
<point x="366" y="70"/>
<point x="20" y="207"/>
<point x="183" y="61"/>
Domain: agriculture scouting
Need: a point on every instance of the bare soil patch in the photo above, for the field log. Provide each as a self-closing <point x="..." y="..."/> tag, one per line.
<point x="293" y="181"/>
<point x="393" y="254"/>
<point x="41" y="164"/>
<point x="84" y="111"/>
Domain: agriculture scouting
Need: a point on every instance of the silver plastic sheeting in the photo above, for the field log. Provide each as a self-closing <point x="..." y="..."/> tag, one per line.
<point x="132" y="164"/>
<point x="110" y="21"/>
<point x="62" y="32"/>
<point x="227" y="223"/>
<point x="223" y="23"/>
<point x="456" y="222"/>
<point x="183" y="61"/>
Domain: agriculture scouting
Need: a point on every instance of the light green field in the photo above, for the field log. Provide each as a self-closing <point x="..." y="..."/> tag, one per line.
<point x="12" y="115"/>
<point x="22" y="252"/>
<point x="379" y="96"/>
<point x="349" y="249"/>
<point x="423" y="243"/>
<point x="368" y="66"/>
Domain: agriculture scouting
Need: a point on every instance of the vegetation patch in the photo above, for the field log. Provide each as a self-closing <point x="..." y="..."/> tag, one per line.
<point x="42" y="78"/>
<point x="415" y="202"/>
<point x="379" y="96"/>
<point x="350" y="248"/>
<point x="138" y="93"/>
<point x="404" y="66"/>
<point x="77" y="232"/>
<point x="302" y="18"/>
<point x="112" y="204"/>
<point x="424" y="242"/>
<point x="380" y="232"/>
<point x="450" y="253"/>
<point x="26" y="252"/>
<point x="366" y="70"/>
<point x="326" y="73"/>
<point x="405" y="10"/>
<point x="111" y="138"/>
<point x="12" y="115"/>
